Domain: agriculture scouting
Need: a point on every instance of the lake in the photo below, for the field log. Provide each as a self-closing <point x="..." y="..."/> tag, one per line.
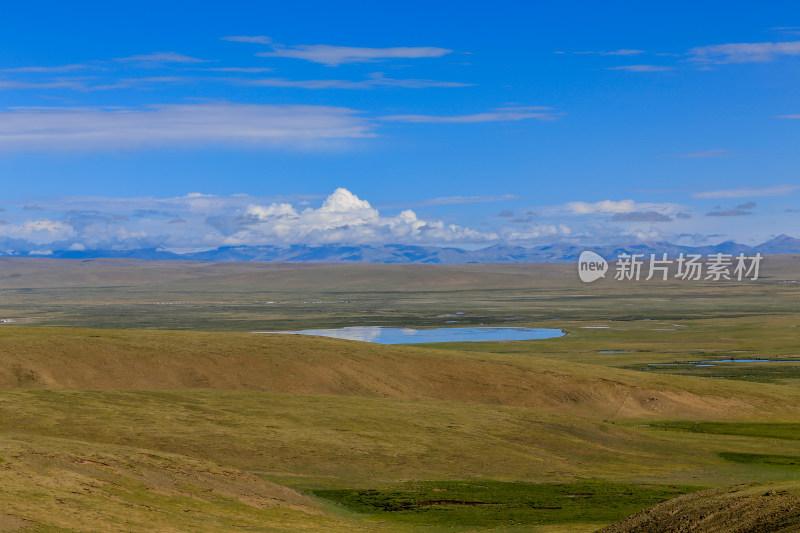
<point x="382" y="335"/>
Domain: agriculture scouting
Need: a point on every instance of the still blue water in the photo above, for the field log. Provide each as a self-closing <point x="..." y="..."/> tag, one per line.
<point x="383" y="335"/>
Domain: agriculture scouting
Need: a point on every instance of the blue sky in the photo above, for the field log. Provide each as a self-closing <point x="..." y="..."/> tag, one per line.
<point x="161" y="124"/>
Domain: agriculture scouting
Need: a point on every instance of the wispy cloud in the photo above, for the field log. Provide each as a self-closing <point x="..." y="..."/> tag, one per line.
<point x="787" y="29"/>
<point x="795" y="117"/>
<point x="216" y="123"/>
<point x="54" y="69"/>
<point x="498" y="115"/>
<point x="745" y="192"/>
<point x="640" y="216"/>
<point x="163" y="57"/>
<point x="642" y="68"/>
<point x="60" y="84"/>
<point x="244" y="70"/>
<point x="621" y="52"/>
<point x="89" y="84"/>
<point x="744" y="52"/>
<point x="728" y="213"/>
<point x="337" y="55"/>
<point x="704" y="154"/>
<point x="376" y="79"/>
<point x="256" y="39"/>
<point x="452" y="200"/>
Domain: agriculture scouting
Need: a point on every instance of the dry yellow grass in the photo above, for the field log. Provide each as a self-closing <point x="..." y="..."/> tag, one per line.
<point x="149" y="360"/>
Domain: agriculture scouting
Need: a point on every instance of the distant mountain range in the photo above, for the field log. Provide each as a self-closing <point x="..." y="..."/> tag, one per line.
<point x="400" y="253"/>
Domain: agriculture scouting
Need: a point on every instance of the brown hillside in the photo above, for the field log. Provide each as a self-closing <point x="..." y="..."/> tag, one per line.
<point x="740" y="509"/>
<point x="148" y="360"/>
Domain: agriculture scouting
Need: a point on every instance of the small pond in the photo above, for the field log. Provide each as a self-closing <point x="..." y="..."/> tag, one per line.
<point x="383" y="335"/>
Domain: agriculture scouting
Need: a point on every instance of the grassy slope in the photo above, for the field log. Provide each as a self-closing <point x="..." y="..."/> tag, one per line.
<point x="145" y="360"/>
<point x="342" y="414"/>
<point x="105" y="429"/>
<point x="78" y="485"/>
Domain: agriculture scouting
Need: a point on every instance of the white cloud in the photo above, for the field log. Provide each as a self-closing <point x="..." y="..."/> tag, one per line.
<point x="744" y="52"/>
<point x="38" y="231"/>
<point x="243" y="70"/>
<point x="745" y="192"/>
<point x="450" y="200"/>
<point x="611" y="207"/>
<point x="94" y="84"/>
<point x="61" y="84"/>
<point x="337" y="55"/>
<point x="210" y="221"/>
<point x="704" y="154"/>
<point x="262" y="213"/>
<point x="375" y="79"/>
<point x="789" y="116"/>
<point x="163" y="57"/>
<point x="605" y="206"/>
<point x="343" y="217"/>
<point x="238" y="124"/>
<point x="621" y="52"/>
<point x="54" y="69"/>
<point x="535" y="232"/>
<point x="257" y="39"/>
<point x="498" y="115"/>
<point x="642" y="68"/>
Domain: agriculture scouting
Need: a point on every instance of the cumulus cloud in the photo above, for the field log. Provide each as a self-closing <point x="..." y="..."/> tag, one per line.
<point x="38" y="232"/>
<point x="337" y="55"/>
<point x="744" y="52"/>
<point x="199" y="221"/>
<point x="343" y="217"/>
<point x="215" y="123"/>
